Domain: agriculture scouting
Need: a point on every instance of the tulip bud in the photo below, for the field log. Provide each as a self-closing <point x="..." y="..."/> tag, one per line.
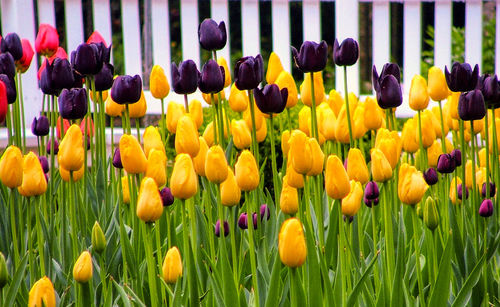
<point x="317" y="157"/>
<point x="42" y="294"/>
<point x="381" y="169"/>
<point x="457" y="157"/>
<point x="212" y="78"/>
<point x="126" y="89"/>
<point x="212" y="36"/>
<point x="486" y="208"/>
<point x="56" y="146"/>
<point x="352" y="202"/>
<point x="241" y="134"/>
<point x="248" y="72"/>
<point x="289" y="199"/>
<point x="243" y="221"/>
<point x="247" y="172"/>
<point x="409" y="136"/>
<point x="285" y="146"/>
<point x="336" y="179"/>
<point x="285" y="80"/>
<point x="292" y="244"/>
<point x="419" y="97"/>
<point x="411" y="185"/>
<point x="149" y="203"/>
<point x="438" y="89"/>
<point x="152" y="140"/>
<point x="471" y="105"/>
<point x="98" y="239"/>
<point x="185" y="77"/>
<point x="33" y="178"/>
<point x="82" y="271"/>
<point x="11" y="167"/>
<point x="186" y="138"/>
<point x="199" y="160"/>
<point x="174" y="112"/>
<point x="356" y="166"/>
<point x="196" y="112"/>
<point x="70" y="155"/>
<point x="117" y="160"/>
<point x="372" y="116"/>
<point x="4" y="273"/>
<point x="461" y="193"/>
<point x="229" y="190"/>
<point x="446" y="164"/>
<point x="371" y="191"/>
<point x="274" y="68"/>
<point x="238" y="100"/>
<point x="387" y="86"/>
<point x="300" y="152"/>
<point x="431" y="215"/>
<point x="172" y="266"/>
<point x="462" y="78"/>
<point x="183" y="182"/>
<point x="306" y="90"/>
<point x="47" y="40"/>
<point x="264" y="212"/>
<point x="217" y="228"/>
<point x="158" y="83"/>
<point x="216" y="165"/>
<point x="492" y="190"/>
<point x="40" y="126"/>
<point x="125" y="190"/>
<point x="431" y="176"/>
<point x="295" y="179"/>
<point x="156" y="167"/>
<point x="133" y="158"/>
<point x="347" y="53"/>
<point x="311" y="57"/>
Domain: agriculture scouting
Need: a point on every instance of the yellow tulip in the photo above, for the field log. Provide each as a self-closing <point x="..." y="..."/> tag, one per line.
<point x="358" y="122"/>
<point x="238" y="100"/>
<point x="42" y="294"/>
<point x="227" y="73"/>
<point x="174" y="112"/>
<point x="453" y="104"/>
<point x="208" y="134"/>
<point x="454" y="189"/>
<point x="319" y="89"/>
<point x="138" y="109"/>
<point x="317" y="157"/>
<point x="327" y="122"/>
<point x="438" y="88"/>
<point x="428" y="134"/>
<point x="259" y="119"/>
<point x="199" y="160"/>
<point x="34" y="182"/>
<point x="229" y="190"/>
<point x="372" y="116"/>
<point x="261" y="133"/>
<point x="11" y="167"/>
<point x="411" y="185"/>
<point x="390" y="144"/>
<point x="125" y="190"/>
<point x="158" y="83"/>
<point x="216" y="165"/>
<point x="294" y="179"/>
<point x="172" y="266"/>
<point x="97" y="98"/>
<point x="77" y="175"/>
<point x="335" y="101"/>
<point x="437" y="115"/>
<point x="289" y="199"/>
<point x="468" y="174"/>
<point x="356" y="166"/>
<point x="409" y="136"/>
<point x="186" y="137"/>
<point x="149" y="203"/>
<point x="352" y="202"/>
<point x="381" y="168"/>
<point x="292" y="244"/>
<point x="196" y="112"/>
<point x="482" y="157"/>
<point x="341" y="126"/>
<point x="183" y="182"/>
<point x="70" y="155"/>
<point x="305" y="120"/>
<point x="285" y="147"/>
<point x="82" y="270"/>
<point x="419" y="97"/>
<point x="152" y="140"/>
<point x="480" y="177"/>
<point x="336" y="179"/>
<point x="133" y="159"/>
<point x="208" y="97"/>
<point x="247" y="172"/>
<point x="300" y="152"/>
<point x="157" y="167"/>
<point x="241" y="134"/>
<point x="433" y="153"/>
<point x="285" y="80"/>
<point x="112" y="108"/>
<point x="274" y="68"/>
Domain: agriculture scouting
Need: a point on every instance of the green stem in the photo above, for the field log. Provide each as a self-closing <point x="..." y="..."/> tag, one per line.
<point x="252" y="250"/>
<point x="186" y="104"/>
<point x="159" y="256"/>
<point x="255" y="144"/>
<point x="314" y="121"/>
<point x="443" y="136"/>
<point x="423" y="153"/>
<point x="233" y="245"/>
<point x="74" y="232"/>
<point x="417" y="257"/>
<point x="273" y="163"/>
<point x="214" y="123"/>
<point x="12" y="207"/>
<point x="347" y="109"/>
<point x="8" y="119"/>
<point x="163" y="123"/>
<point x="21" y="104"/>
<point x="389" y="245"/>
<point x="41" y="239"/>
<point x="146" y="233"/>
<point x="32" y="263"/>
<point x="293" y="287"/>
<point x="289" y="119"/>
<point x="487" y="155"/>
<point x="342" y="251"/>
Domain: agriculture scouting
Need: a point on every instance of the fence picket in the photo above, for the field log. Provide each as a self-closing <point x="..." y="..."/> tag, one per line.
<point x="46" y="12"/>
<point x="219" y="12"/>
<point x="281" y="32"/>
<point x="442" y="33"/>
<point x="74" y="24"/>
<point x="102" y="19"/>
<point x="189" y="31"/>
<point x="250" y="27"/>
<point x="473" y="32"/>
<point x="131" y="37"/>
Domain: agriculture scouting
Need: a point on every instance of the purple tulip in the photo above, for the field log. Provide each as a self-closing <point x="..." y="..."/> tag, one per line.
<point x="248" y="72"/>
<point x="7" y="65"/>
<point x="270" y="99"/>
<point x="166" y="197"/>
<point x="491" y="91"/>
<point x="312" y="56"/>
<point x="211" y="78"/>
<point x="471" y="105"/>
<point x="493" y="190"/>
<point x="243" y="221"/>
<point x="431" y="176"/>
<point x="461" y="194"/>
<point x="387" y="86"/>
<point x="217" y="229"/>
<point x="462" y="78"/>
<point x="446" y="164"/>
<point x="10" y="86"/>
<point x="56" y="146"/>
<point x="11" y="43"/>
<point x="56" y="76"/>
<point x="40" y="126"/>
<point x="117" y="159"/>
<point x="185" y="78"/>
<point x="347" y="53"/>
<point x="212" y="36"/>
<point x="370" y="202"/>
<point x="457" y="156"/>
<point x="78" y="83"/>
<point x="87" y="59"/>
<point x="73" y="103"/>
<point x="44" y="163"/>
<point x="486" y="208"/>
<point x="254" y="220"/>
<point x="264" y="212"/>
<point x="126" y="89"/>
<point x="371" y="194"/>
<point x="104" y="79"/>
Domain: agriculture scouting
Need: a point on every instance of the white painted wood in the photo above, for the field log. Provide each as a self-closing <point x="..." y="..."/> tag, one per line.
<point x="161" y="35"/>
<point x="250" y="27"/>
<point x="497" y="39"/>
<point x="46" y="12"/>
<point x="219" y="12"/>
<point x="9" y="18"/>
<point x="189" y="31"/>
<point x="347" y="25"/>
<point x="131" y="37"/>
<point x="381" y="41"/>
<point x="281" y="32"/>
<point x="311" y="20"/>
<point x="442" y="33"/>
<point x="412" y="38"/>
<point x="102" y="19"/>
<point x="473" y="32"/>
<point x="74" y="24"/>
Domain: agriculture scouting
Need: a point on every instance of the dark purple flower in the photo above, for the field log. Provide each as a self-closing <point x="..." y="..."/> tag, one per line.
<point x="431" y="176"/>
<point x="471" y="105"/>
<point x="270" y="99"/>
<point x="371" y="194"/>
<point x="264" y="212"/>
<point x="461" y="194"/>
<point x="126" y="89"/>
<point x="56" y="76"/>
<point x="248" y="72"/>
<point x="348" y="219"/>
<point x="312" y="56"/>
<point x="387" y="86"/>
<point x="88" y="142"/>
<point x="78" y="80"/>
<point x="211" y="78"/>
<point x="490" y="88"/>
<point x="493" y="190"/>
<point x="73" y="103"/>
<point x="10" y="86"/>
<point x="211" y="35"/>
<point x="457" y="156"/>
<point x="446" y="164"/>
<point x="40" y="126"/>
<point x="87" y="59"/>
<point x="56" y="146"/>
<point x="11" y="43"/>
<point x="370" y="202"/>
<point x="104" y="79"/>
<point x="7" y="65"/>
<point x="44" y="162"/>
<point x="347" y="53"/>
<point x="243" y="221"/>
<point x="185" y="78"/>
<point x="217" y="229"/>
<point x="462" y="78"/>
<point x="117" y="158"/>
<point x="166" y="197"/>
<point x="486" y="208"/>
<point x="254" y="220"/>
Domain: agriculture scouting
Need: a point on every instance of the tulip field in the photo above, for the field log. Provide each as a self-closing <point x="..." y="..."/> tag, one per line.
<point x="278" y="195"/>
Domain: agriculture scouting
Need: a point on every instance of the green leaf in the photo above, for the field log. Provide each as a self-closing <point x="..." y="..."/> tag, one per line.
<point x="16" y="282"/>
<point x="123" y="295"/>
<point x="441" y="290"/>
<point x="397" y="284"/>
<point x="272" y="297"/>
<point x="351" y="301"/>
<point x="465" y="293"/>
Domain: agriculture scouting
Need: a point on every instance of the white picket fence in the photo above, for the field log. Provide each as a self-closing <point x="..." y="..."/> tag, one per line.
<point x="19" y="16"/>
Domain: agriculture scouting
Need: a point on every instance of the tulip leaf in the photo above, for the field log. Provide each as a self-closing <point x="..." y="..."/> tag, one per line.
<point x="397" y="293"/>
<point x="136" y="299"/>
<point x="272" y="296"/>
<point x="129" y="252"/>
<point x="123" y="294"/>
<point x="16" y="282"/>
<point x="457" y="242"/>
<point x="465" y="293"/>
<point x="492" y="249"/>
<point x="351" y="301"/>
<point x="440" y="292"/>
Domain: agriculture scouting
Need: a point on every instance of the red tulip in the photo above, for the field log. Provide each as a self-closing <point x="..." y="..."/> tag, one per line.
<point x="96" y="37"/>
<point x="3" y="101"/>
<point x="58" y="126"/>
<point x="47" y="40"/>
<point x="90" y="126"/>
<point x="60" y="53"/>
<point x="25" y="61"/>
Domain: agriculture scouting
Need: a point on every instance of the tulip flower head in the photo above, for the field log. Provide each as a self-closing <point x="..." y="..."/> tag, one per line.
<point x="271" y="99"/>
<point x="212" y="78"/>
<point x="185" y="77"/>
<point x="133" y="158"/>
<point x="411" y="185"/>
<point x="229" y="190"/>
<point x="312" y="56"/>
<point x="356" y="166"/>
<point x="471" y="105"/>
<point x="183" y="182"/>
<point x="347" y="53"/>
<point x="104" y="79"/>
<point x="172" y="266"/>
<point x="152" y="140"/>
<point x="166" y="197"/>
<point x="11" y="43"/>
<point x="292" y="244"/>
<point x="25" y="61"/>
<point x="289" y="200"/>
<point x="88" y="59"/>
<point x="247" y="172"/>
<point x="437" y="86"/>
<point x="40" y="126"/>
<point x="227" y="74"/>
<point x="149" y="203"/>
<point x="156" y="168"/>
<point x="486" y="208"/>
<point x="11" y="167"/>
<point x="431" y="215"/>
<point x="241" y="134"/>
<point x="274" y="68"/>
<point x="419" y="96"/>
<point x="380" y="166"/>
<point x="300" y="152"/>
<point x="352" y="202"/>
<point x="126" y="89"/>
<point x="491" y="91"/>
<point x="336" y="179"/>
<point x="431" y="176"/>
<point x="73" y="103"/>
<point x="492" y="189"/>
<point x="387" y="86"/>
<point x="42" y="294"/>
<point x="71" y="153"/>
<point x="248" y="72"/>
<point x="3" y="101"/>
<point x="212" y="36"/>
<point x="317" y="157"/>
<point x="82" y="270"/>
<point x="371" y="194"/>
<point x="216" y="165"/>
<point x="238" y="99"/>
<point x="218" y="230"/>
<point x="47" y="40"/>
<point x="98" y="238"/>
<point x="56" y="76"/>
<point x="186" y="137"/>
<point x="158" y="83"/>
<point x="446" y="164"/>
<point x="7" y="65"/>
<point x="462" y="78"/>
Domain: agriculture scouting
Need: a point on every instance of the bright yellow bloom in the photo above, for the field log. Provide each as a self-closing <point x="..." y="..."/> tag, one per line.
<point x="259" y="119"/>
<point x="352" y="202"/>
<point x="409" y="136"/>
<point x="34" y="182"/>
<point x="247" y="172"/>
<point x="199" y="160"/>
<point x="11" y="167"/>
<point x="261" y="133"/>
<point x="97" y="98"/>
<point x="152" y="140"/>
<point x="227" y="73"/>
<point x="438" y="88"/>
<point x="305" y="120"/>
<point x="373" y="115"/>
<point x="42" y="294"/>
<point x="289" y="199"/>
<point x="411" y="185"/>
<point x="336" y="180"/>
<point x="294" y="179"/>
<point x="229" y="190"/>
<point x="342" y="126"/>
<point x="358" y="122"/>
<point x="381" y="168"/>
<point x="158" y="83"/>
<point x="208" y="134"/>
<point x="428" y="132"/>
<point x="172" y="266"/>
<point x="82" y="270"/>
<point x="183" y="182"/>
<point x="433" y="153"/>
<point x="186" y="137"/>
<point x="77" y="175"/>
<point x="437" y="115"/>
<point x="285" y="80"/>
<point x="327" y="122"/>
<point x="453" y="104"/>
<point x="335" y="101"/>
<point x="70" y="155"/>
<point x="319" y="89"/>
<point x="454" y="189"/>
<point x="317" y="157"/>
<point x="390" y="144"/>
<point x="112" y="108"/>
<point x="125" y="190"/>
<point x="157" y="167"/>
<point x="149" y="203"/>
<point x="196" y="112"/>
<point x="174" y="112"/>
<point x="241" y="134"/>
<point x="285" y="147"/>
<point x="292" y="244"/>
<point x="133" y="158"/>
<point x="356" y="166"/>
<point x="300" y="152"/>
<point x="216" y="165"/>
<point x="138" y="109"/>
<point x="419" y="97"/>
<point x="238" y="100"/>
<point x="274" y="68"/>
